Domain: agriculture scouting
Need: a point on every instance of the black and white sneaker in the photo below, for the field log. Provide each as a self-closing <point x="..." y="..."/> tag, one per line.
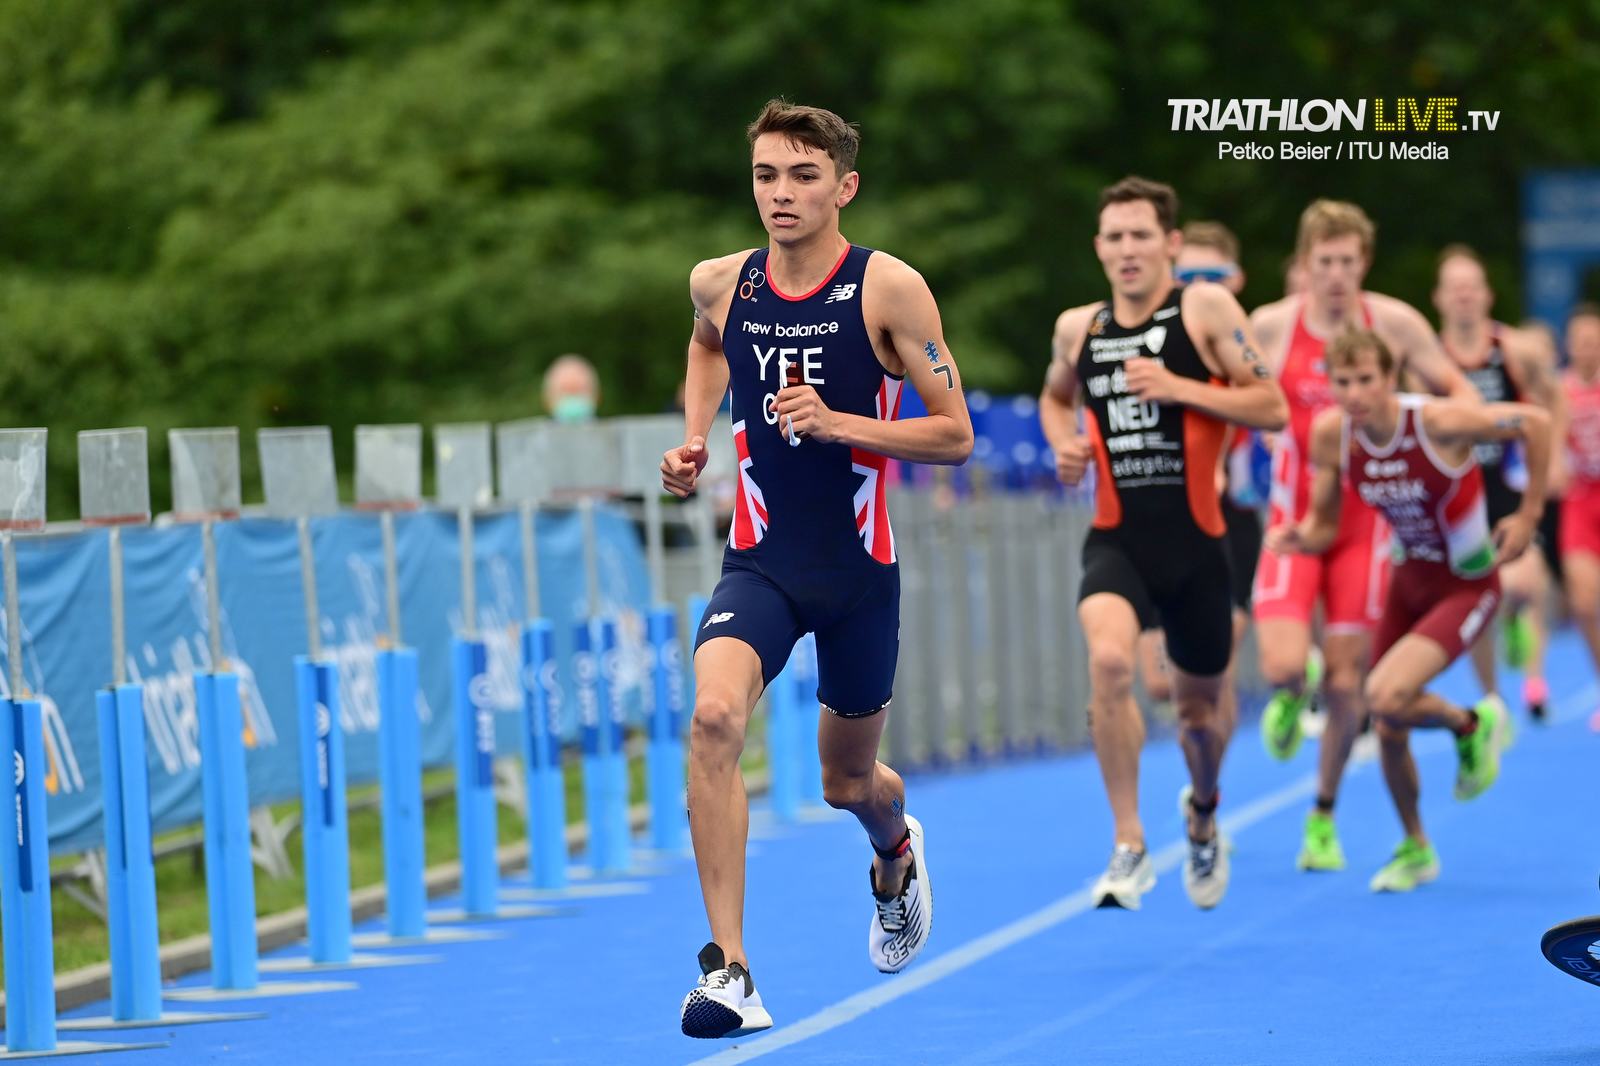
<point x="1128" y="876"/>
<point x="900" y="923"/>
<point x="1205" y="874"/>
<point x="725" y="1002"/>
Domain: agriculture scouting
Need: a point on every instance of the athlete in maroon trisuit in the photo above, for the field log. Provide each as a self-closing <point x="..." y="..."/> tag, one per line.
<point x="1334" y="247"/>
<point x="1411" y="458"/>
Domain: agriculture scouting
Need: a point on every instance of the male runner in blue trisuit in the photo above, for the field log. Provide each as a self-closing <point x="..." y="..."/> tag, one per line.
<point x="817" y="337"/>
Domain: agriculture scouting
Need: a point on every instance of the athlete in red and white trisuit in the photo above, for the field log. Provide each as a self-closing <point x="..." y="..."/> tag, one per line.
<point x="1580" y="510"/>
<point x="1411" y="457"/>
<point x="1335" y="247"/>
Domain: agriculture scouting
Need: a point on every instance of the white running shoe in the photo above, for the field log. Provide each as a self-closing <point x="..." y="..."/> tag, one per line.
<point x="1205" y="873"/>
<point x="900" y="923"/>
<point x="725" y="1002"/>
<point x="1129" y="876"/>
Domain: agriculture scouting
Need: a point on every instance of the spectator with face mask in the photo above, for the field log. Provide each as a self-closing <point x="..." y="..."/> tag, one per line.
<point x="571" y="389"/>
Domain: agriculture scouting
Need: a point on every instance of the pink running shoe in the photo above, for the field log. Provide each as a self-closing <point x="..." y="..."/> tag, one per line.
<point x="1535" y="695"/>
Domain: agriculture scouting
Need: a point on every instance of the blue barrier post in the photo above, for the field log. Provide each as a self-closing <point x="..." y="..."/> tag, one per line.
<point x="804" y="664"/>
<point x="667" y="820"/>
<point x="691" y="626"/>
<point x="324" y="831"/>
<point x="783" y="738"/>
<point x="541" y="731"/>
<point x="400" y="782"/>
<point x="130" y="869"/>
<point x="618" y="853"/>
<point x="475" y="810"/>
<point x="585" y="683"/>
<point x="230" y="883"/>
<point x="25" y="886"/>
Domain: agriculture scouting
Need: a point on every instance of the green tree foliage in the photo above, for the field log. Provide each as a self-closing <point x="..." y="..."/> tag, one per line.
<point x="232" y="213"/>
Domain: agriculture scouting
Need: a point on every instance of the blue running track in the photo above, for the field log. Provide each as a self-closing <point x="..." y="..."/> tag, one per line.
<point x="1291" y="967"/>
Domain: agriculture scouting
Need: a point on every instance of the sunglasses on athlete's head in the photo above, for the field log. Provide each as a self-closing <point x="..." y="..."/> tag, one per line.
<point x="1205" y="273"/>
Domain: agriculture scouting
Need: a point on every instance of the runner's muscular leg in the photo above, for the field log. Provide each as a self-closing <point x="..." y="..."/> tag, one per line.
<point x="728" y="682"/>
<point x="1228" y="701"/>
<point x="1204" y="741"/>
<point x="1394" y="692"/>
<point x="1285" y="643"/>
<point x="854" y="780"/>
<point x="1346" y="655"/>
<point x="1582" y="573"/>
<point x="1394" y="688"/>
<point x="1111" y="630"/>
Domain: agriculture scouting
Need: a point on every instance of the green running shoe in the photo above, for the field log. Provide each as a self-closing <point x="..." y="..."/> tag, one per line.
<point x="1519" y="641"/>
<point x="1478" y="753"/>
<point x="1320" y="849"/>
<point x="1507" y="737"/>
<point x="1413" y="864"/>
<point x="1281" y="732"/>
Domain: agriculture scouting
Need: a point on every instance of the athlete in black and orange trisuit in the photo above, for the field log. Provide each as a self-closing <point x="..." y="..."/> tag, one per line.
<point x="1161" y="369"/>
<point x="1411" y="458"/>
<point x="1503" y="364"/>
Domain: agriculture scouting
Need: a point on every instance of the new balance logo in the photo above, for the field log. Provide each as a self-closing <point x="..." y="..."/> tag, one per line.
<point x="841" y="293"/>
<point x="716" y="618"/>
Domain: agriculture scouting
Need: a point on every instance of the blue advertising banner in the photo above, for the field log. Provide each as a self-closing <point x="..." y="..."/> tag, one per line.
<point x="64" y="585"/>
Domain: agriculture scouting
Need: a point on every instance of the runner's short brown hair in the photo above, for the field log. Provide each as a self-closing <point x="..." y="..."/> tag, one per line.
<point x="1323" y="220"/>
<point x="1212" y="235"/>
<point x="1133" y="188"/>
<point x="813" y="127"/>
<point x="1346" y="348"/>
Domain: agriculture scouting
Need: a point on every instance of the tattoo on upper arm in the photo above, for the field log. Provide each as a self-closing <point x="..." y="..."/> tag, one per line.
<point x="1508" y="423"/>
<point x="931" y="350"/>
<point x="1251" y="357"/>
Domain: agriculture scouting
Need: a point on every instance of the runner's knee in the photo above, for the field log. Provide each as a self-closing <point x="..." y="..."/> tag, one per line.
<point x="1197" y="713"/>
<point x="1110" y="668"/>
<point x="1342" y="687"/>
<point x="1388" y="701"/>
<point x="846" y="790"/>
<point x="718" y="722"/>
<point x="1390" y="734"/>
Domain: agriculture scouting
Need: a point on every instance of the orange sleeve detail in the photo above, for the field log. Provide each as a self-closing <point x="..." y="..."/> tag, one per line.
<point x="1202" y="444"/>
<point x="1107" y="504"/>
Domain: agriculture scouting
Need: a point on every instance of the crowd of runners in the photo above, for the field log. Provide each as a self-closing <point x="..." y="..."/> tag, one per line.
<point x="1433" y="491"/>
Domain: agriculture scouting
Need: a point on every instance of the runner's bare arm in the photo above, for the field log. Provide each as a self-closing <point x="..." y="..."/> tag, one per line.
<point x="1270" y="322"/>
<point x="1315" y="533"/>
<point x="1461" y="425"/>
<point x="1452" y="423"/>
<point x="1229" y="350"/>
<point x="706" y="376"/>
<point x="1058" y="402"/>
<point x="1417" y="349"/>
<point x="1533" y="370"/>
<point x="899" y="308"/>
